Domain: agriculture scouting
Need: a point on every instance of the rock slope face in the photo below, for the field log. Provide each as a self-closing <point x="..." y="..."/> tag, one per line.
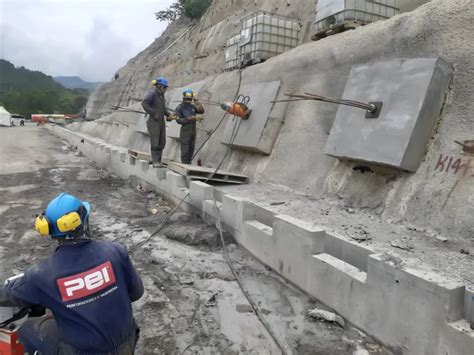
<point x="438" y="196"/>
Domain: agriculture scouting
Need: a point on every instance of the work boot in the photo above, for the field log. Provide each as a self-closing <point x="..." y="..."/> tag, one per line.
<point x="157" y="165"/>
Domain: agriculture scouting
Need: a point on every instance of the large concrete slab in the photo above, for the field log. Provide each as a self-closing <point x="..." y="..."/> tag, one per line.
<point x="251" y="133"/>
<point x="412" y="92"/>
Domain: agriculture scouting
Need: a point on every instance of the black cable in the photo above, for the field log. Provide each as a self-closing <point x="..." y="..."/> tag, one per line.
<point x="222" y="119"/>
<point x="254" y="306"/>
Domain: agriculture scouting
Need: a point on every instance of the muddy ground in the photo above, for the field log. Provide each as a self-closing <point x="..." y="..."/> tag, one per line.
<point x="192" y="304"/>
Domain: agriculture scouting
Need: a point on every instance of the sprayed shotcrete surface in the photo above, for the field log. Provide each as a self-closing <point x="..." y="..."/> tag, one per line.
<point x="182" y="267"/>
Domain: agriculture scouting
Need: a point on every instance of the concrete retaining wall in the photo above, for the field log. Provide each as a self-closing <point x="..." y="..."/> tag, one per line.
<point x="428" y="199"/>
<point x="411" y="311"/>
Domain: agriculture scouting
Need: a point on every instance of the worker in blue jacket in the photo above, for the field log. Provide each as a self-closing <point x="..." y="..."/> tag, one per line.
<point x="186" y="116"/>
<point x="87" y="285"/>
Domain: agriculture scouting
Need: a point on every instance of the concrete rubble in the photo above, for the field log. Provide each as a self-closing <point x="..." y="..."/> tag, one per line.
<point x="321" y="314"/>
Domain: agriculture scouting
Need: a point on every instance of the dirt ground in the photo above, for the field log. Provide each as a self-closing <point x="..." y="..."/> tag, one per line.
<point x="192" y="303"/>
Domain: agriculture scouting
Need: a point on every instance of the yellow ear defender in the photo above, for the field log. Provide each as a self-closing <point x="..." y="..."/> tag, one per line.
<point x="153" y="82"/>
<point x="42" y="225"/>
<point x="67" y="223"/>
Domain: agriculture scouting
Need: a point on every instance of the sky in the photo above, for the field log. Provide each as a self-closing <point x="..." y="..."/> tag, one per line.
<point x="87" y="38"/>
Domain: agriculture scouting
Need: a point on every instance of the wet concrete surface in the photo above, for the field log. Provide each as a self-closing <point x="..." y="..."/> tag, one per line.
<point x="192" y="303"/>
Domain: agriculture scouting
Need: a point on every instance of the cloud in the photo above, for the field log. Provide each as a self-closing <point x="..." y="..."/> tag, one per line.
<point x="91" y="39"/>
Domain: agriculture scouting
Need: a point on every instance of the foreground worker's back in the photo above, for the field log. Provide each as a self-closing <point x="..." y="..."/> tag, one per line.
<point x="89" y="287"/>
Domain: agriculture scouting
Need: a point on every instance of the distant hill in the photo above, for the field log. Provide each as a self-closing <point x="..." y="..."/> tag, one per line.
<point x="75" y="82"/>
<point x="24" y="91"/>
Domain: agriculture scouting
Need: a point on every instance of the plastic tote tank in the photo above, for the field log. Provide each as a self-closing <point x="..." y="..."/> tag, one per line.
<point x="264" y="35"/>
<point x="232" y="52"/>
<point x="330" y="13"/>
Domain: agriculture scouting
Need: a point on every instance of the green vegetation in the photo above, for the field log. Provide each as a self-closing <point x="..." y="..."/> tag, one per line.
<point x="190" y="8"/>
<point x="24" y="92"/>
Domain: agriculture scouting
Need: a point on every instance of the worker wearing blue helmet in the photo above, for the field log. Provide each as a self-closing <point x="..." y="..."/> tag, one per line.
<point x="87" y="285"/>
<point x="154" y="105"/>
<point x="187" y="117"/>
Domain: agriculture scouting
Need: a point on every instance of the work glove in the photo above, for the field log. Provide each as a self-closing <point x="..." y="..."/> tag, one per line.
<point x="172" y="117"/>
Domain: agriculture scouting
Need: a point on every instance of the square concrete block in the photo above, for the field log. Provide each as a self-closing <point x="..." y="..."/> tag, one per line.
<point x="412" y="92"/>
<point x="132" y="160"/>
<point x="338" y="285"/>
<point x="232" y="209"/>
<point x="175" y="182"/>
<point x="468" y="309"/>
<point x="208" y="211"/>
<point x="250" y="135"/>
<point x="144" y="165"/>
<point x="257" y="238"/>
<point x="123" y="157"/>
<point x="108" y="150"/>
<point x="199" y="192"/>
<point x="294" y="243"/>
<point x="414" y="302"/>
<point x="161" y="173"/>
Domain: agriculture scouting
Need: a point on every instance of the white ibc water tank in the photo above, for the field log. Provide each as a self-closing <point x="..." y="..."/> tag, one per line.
<point x="331" y="13"/>
<point x="232" y="52"/>
<point x="261" y="37"/>
<point x="265" y="35"/>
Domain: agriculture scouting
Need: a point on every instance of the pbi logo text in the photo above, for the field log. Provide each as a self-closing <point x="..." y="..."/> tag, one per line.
<point x="86" y="283"/>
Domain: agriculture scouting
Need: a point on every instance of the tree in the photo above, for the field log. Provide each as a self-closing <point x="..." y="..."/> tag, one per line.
<point x="190" y="8"/>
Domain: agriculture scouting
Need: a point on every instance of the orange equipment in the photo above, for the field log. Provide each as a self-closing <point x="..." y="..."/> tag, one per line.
<point x="238" y="108"/>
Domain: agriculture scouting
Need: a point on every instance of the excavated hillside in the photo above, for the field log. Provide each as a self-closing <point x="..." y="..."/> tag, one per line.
<point x="431" y="202"/>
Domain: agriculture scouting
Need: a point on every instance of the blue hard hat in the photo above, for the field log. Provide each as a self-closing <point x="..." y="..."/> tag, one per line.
<point x="61" y="206"/>
<point x="162" y="81"/>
